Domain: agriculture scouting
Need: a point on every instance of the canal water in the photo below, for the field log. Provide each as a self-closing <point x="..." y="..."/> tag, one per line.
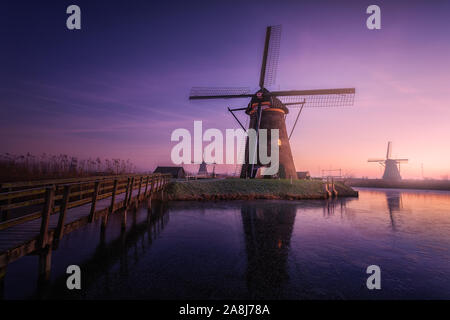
<point x="257" y="250"/>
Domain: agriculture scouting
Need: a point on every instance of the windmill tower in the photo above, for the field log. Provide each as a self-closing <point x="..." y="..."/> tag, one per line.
<point x="268" y="109"/>
<point x="391" y="166"/>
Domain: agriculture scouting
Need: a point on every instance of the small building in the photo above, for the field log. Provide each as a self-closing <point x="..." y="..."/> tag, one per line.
<point x="303" y="175"/>
<point x="176" y="172"/>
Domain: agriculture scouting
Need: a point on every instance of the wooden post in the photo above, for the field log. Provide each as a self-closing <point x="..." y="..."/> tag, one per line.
<point x="103" y="233"/>
<point x="152" y="186"/>
<point x="127" y="192"/>
<point x="48" y="209"/>
<point x="335" y="193"/>
<point x="139" y="191"/>
<point x="161" y="190"/>
<point x="4" y="213"/>
<point x="113" y="197"/>
<point x="146" y="187"/>
<point x="2" y="282"/>
<point x="104" y="223"/>
<point x="149" y="214"/>
<point x="45" y="264"/>
<point x="150" y="192"/>
<point x="62" y="217"/>
<point x="124" y="220"/>
<point x="149" y="199"/>
<point x="130" y="195"/>
<point x="111" y="209"/>
<point x="94" y="200"/>
<point x="135" y="217"/>
<point x="9" y="202"/>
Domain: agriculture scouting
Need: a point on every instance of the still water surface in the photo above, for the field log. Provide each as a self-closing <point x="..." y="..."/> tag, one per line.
<point x="258" y="249"/>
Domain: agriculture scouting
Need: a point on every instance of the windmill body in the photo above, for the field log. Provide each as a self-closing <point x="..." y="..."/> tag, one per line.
<point x="391" y="166"/>
<point x="273" y="114"/>
<point x="391" y="171"/>
<point x="268" y="109"/>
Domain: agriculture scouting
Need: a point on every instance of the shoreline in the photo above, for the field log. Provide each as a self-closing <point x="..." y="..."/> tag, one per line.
<point x="240" y="189"/>
<point x="438" y="185"/>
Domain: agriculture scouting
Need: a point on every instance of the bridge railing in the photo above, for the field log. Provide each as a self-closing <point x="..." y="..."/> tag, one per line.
<point x="29" y="200"/>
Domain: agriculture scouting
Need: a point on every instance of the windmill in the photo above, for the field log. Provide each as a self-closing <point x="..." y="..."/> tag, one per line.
<point x="202" y="171"/>
<point x="391" y="166"/>
<point x="268" y="109"/>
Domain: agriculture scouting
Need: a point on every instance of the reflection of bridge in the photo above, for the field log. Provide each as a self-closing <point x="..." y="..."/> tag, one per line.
<point x="62" y="206"/>
<point x="119" y="250"/>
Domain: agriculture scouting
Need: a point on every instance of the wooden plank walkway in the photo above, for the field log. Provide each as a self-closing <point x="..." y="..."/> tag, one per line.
<point x="41" y="235"/>
<point x="18" y="234"/>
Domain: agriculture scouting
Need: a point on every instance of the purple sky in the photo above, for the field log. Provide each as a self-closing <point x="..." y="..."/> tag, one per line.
<point x="119" y="87"/>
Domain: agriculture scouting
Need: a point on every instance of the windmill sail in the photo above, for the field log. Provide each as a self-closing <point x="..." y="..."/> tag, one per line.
<point x="317" y="98"/>
<point x="219" y="92"/>
<point x="271" y="56"/>
<point x="389" y="150"/>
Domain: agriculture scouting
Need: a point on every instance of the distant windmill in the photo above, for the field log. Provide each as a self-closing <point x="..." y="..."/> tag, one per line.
<point x="202" y="170"/>
<point x="268" y="109"/>
<point x="391" y="166"/>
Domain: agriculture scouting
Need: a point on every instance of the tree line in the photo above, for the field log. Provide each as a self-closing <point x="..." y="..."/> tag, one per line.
<point x="29" y="166"/>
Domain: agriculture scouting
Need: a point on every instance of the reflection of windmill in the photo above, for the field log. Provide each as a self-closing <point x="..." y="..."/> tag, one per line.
<point x="267" y="109"/>
<point x="268" y="230"/>
<point x="395" y="204"/>
<point x="391" y="166"/>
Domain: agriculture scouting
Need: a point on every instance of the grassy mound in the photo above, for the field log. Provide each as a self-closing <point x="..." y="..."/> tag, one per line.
<point x="240" y="189"/>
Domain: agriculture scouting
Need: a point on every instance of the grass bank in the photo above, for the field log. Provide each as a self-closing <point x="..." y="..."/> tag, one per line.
<point x="240" y="189"/>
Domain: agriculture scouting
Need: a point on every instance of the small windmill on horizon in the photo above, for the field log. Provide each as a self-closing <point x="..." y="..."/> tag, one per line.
<point x="268" y="109"/>
<point x="391" y="166"/>
<point x="202" y="170"/>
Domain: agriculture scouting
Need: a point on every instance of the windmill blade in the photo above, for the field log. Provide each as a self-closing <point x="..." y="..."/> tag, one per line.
<point x="401" y="160"/>
<point x="219" y="92"/>
<point x="376" y="160"/>
<point x="314" y="92"/>
<point x="389" y="150"/>
<point x="317" y="98"/>
<point x="271" y="56"/>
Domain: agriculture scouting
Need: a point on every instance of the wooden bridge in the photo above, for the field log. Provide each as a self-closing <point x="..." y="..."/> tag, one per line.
<point x="36" y="215"/>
